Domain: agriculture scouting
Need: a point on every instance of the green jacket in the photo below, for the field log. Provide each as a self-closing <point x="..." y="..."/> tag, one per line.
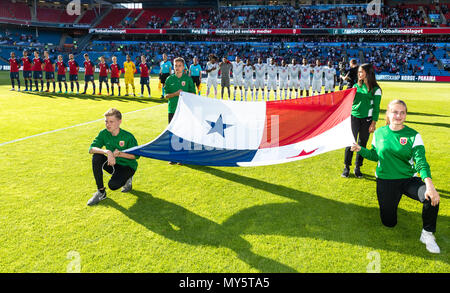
<point x="122" y="141"/>
<point x="173" y="84"/>
<point x="366" y="104"/>
<point x="400" y="154"/>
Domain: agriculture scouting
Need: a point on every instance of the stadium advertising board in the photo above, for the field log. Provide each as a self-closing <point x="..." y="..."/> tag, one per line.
<point x="390" y="31"/>
<point x="269" y="31"/>
<point x="424" y="78"/>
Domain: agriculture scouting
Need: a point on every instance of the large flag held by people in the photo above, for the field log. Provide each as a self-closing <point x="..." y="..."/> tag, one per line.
<point x="214" y="132"/>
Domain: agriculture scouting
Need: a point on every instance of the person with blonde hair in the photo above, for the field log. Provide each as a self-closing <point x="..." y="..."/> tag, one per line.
<point x="400" y="153"/>
<point x="121" y="165"/>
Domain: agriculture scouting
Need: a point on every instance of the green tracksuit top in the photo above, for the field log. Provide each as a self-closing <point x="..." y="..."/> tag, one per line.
<point x="366" y="104"/>
<point x="173" y="84"/>
<point x="400" y="154"/>
<point x="122" y="141"/>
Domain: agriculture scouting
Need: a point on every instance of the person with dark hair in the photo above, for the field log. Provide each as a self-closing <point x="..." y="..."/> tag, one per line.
<point x="352" y="74"/>
<point x="73" y="73"/>
<point x="164" y="72"/>
<point x="364" y="116"/>
<point x="400" y="153"/>
<point x="49" y="68"/>
<point x="27" y="63"/>
<point x="103" y="75"/>
<point x="212" y="69"/>
<point x="61" y="70"/>
<point x="38" y="66"/>
<point x="14" y="64"/>
<point x="225" y="69"/>
<point x="145" y="69"/>
<point x="342" y="74"/>
<point x="195" y="72"/>
<point x="89" y="68"/>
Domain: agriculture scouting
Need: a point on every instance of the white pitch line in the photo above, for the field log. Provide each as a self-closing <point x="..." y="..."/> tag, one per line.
<point x="77" y="125"/>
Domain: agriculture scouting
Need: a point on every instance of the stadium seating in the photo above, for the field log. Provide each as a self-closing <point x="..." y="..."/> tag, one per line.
<point x="5" y="10"/>
<point x="88" y="17"/>
<point x="21" y="11"/>
<point x="157" y="16"/>
<point x="48" y="14"/>
<point x="114" y="18"/>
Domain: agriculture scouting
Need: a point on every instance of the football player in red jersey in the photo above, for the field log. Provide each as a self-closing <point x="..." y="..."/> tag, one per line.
<point x="14" y="65"/>
<point x="26" y="70"/>
<point x="103" y="76"/>
<point x="73" y="73"/>
<point x="145" y="75"/>
<point x="89" y="68"/>
<point x="49" y="68"/>
<point x="115" y="75"/>
<point x="38" y="66"/>
<point x="61" y="67"/>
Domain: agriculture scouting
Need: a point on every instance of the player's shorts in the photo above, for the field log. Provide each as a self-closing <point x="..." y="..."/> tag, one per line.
<point x="88" y="77"/>
<point x="196" y="80"/>
<point x="317" y="85"/>
<point x="49" y="75"/>
<point x="304" y="84"/>
<point x="238" y="81"/>
<point x="294" y="83"/>
<point x="26" y="74"/>
<point x="283" y="83"/>
<point x="14" y="75"/>
<point x="225" y="82"/>
<point x="163" y="77"/>
<point x="37" y="74"/>
<point x="248" y="84"/>
<point x="259" y="83"/>
<point x="211" y="81"/>
<point x="145" y="80"/>
<point x="329" y="85"/>
<point x="103" y="79"/>
<point x="114" y="80"/>
<point x="129" y="80"/>
<point x="272" y="84"/>
<point x="61" y="77"/>
<point x="73" y="77"/>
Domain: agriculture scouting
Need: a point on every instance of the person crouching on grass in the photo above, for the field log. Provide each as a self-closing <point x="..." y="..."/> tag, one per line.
<point x="400" y="153"/>
<point x="121" y="165"/>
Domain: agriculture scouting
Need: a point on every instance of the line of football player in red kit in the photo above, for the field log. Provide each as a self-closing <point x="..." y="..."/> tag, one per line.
<point x="32" y="70"/>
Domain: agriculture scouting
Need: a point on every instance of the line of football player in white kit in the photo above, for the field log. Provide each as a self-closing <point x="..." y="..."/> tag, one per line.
<point x="284" y="78"/>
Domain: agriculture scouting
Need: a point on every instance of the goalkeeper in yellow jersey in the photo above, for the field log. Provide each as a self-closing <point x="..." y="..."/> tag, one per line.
<point x="130" y="70"/>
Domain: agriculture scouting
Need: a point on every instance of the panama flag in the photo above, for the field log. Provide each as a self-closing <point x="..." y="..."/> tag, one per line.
<point x="213" y="132"/>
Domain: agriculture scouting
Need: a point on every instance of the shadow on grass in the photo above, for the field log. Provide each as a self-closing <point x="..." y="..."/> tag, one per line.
<point x="317" y="217"/>
<point x="383" y="111"/>
<point x="103" y="97"/>
<point x="310" y="216"/>
<point x="179" y="224"/>
<point x="446" y="125"/>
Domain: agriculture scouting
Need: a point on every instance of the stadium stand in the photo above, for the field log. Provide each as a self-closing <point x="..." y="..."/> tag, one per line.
<point x="390" y="54"/>
<point x="154" y="18"/>
<point x="114" y="18"/>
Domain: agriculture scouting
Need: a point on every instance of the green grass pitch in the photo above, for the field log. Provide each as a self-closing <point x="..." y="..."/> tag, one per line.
<point x="295" y="217"/>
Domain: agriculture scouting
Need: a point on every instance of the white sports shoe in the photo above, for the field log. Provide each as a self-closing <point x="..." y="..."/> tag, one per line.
<point x="430" y="241"/>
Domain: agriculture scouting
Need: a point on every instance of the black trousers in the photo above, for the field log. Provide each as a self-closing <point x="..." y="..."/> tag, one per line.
<point x="360" y="129"/>
<point x="389" y="193"/>
<point x="119" y="177"/>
